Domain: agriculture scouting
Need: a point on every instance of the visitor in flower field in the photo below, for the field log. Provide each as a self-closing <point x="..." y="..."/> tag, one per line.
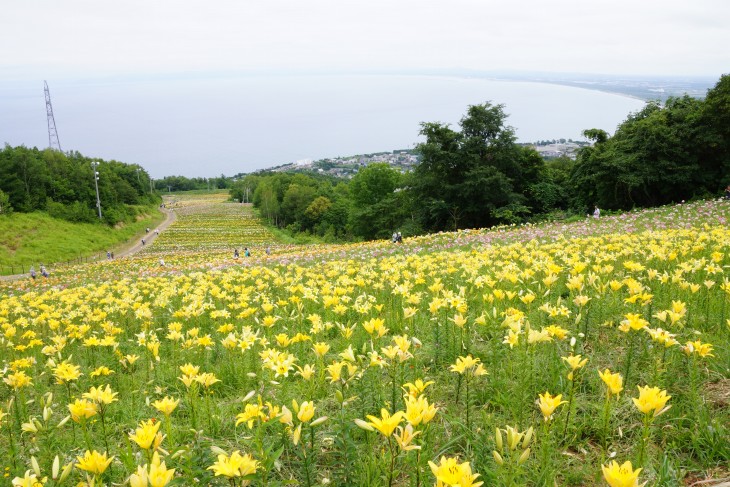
<point x="727" y="192"/>
<point x="235" y="253"/>
<point x="246" y="252"/>
<point x="596" y="212"/>
<point x="32" y="272"/>
<point x="143" y="242"/>
<point x="44" y="272"/>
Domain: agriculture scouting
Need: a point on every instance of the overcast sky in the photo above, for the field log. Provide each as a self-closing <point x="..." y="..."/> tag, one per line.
<point x="71" y="38"/>
<point x="55" y="38"/>
<point x="82" y="40"/>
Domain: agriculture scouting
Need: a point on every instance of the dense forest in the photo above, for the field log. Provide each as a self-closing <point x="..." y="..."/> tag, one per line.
<point x="62" y="184"/>
<point x="479" y="176"/>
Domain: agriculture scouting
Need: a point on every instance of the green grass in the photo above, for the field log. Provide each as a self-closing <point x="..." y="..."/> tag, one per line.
<point x="31" y="238"/>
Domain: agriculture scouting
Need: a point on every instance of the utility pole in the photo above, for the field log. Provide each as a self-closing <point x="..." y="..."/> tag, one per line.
<point x="95" y="165"/>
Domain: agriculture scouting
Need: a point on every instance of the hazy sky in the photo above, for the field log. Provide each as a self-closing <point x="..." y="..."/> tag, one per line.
<point x="78" y="42"/>
<point x="54" y="38"/>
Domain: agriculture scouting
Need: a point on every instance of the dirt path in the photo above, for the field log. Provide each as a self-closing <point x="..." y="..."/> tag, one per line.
<point x="130" y="248"/>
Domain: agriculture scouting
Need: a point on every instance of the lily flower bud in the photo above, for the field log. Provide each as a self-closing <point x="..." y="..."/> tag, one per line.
<point x="497" y="457"/>
<point x="523" y="457"/>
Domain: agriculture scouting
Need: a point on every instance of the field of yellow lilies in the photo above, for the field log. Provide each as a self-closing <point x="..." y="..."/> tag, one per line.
<point x="589" y="353"/>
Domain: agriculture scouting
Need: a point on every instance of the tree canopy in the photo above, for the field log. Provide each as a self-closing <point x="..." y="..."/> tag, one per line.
<point x="63" y="185"/>
<point x="658" y="155"/>
<point x="474" y="177"/>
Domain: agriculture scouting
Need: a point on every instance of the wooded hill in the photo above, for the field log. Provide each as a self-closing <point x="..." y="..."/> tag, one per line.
<point x="62" y="184"/>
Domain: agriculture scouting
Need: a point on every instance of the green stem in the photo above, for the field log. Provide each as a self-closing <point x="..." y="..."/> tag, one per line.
<point x="207" y="408"/>
<point x="644" y="439"/>
<point x="85" y="431"/>
<point x="466" y="342"/>
<point x="73" y="424"/>
<point x="468" y="421"/>
<point x="103" y="428"/>
<point x="12" y="446"/>
<point x="168" y="430"/>
<point x="392" y="462"/>
<point x="311" y="439"/>
<point x="693" y="380"/>
<point x="193" y="415"/>
<point x="306" y="466"/>
<point x="606" y="418"/>
<point x="659" y="366"/>
<point x="570" y="403"/>
<point x="436" y="340"/>
<point x="508" y="482"/>
<point x="629" y="356"/>
<point x="545" y="460"/>
<point x="393" y="391"/>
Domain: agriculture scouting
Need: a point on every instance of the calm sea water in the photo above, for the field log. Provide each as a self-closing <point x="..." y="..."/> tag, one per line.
<point x="205" y="127"/>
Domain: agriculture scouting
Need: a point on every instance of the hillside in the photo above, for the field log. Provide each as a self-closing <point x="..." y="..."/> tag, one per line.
<point x="32" y="238"/>
<point x="514" y="355"/>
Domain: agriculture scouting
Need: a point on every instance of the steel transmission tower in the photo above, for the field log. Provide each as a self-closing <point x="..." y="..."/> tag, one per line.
<point x="53" y="141"/>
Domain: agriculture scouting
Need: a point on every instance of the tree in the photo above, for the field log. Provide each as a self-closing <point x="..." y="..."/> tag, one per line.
<point x="376" y="211"/>
<point x="265" y="199"/>
<point x="295" y="202"/>
<point x="652" y="159"/>
<point x="5" y="206"/>
<point x="714" y="155"/>
<point x="62" y="184"/>
<point x="475" y="177"/>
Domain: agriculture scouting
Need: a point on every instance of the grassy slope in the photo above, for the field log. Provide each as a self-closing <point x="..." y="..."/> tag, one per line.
<point x="36" y="237"/>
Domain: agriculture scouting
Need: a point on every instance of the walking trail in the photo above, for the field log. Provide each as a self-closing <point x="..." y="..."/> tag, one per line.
<point x="134" y="246"/>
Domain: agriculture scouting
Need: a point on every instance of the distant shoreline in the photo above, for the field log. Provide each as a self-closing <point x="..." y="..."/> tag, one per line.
<point x="593" y="86"/>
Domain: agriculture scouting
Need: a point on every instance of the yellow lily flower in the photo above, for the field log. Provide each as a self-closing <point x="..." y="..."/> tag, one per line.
<point x="651" y="400"/>
<point x="386" y="424"/>
<point x="94" y="462"/>
<point x="621" y="475"/>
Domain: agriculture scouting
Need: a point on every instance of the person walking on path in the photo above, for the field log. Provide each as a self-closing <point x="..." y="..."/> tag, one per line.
<point x="32" y="272"/>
